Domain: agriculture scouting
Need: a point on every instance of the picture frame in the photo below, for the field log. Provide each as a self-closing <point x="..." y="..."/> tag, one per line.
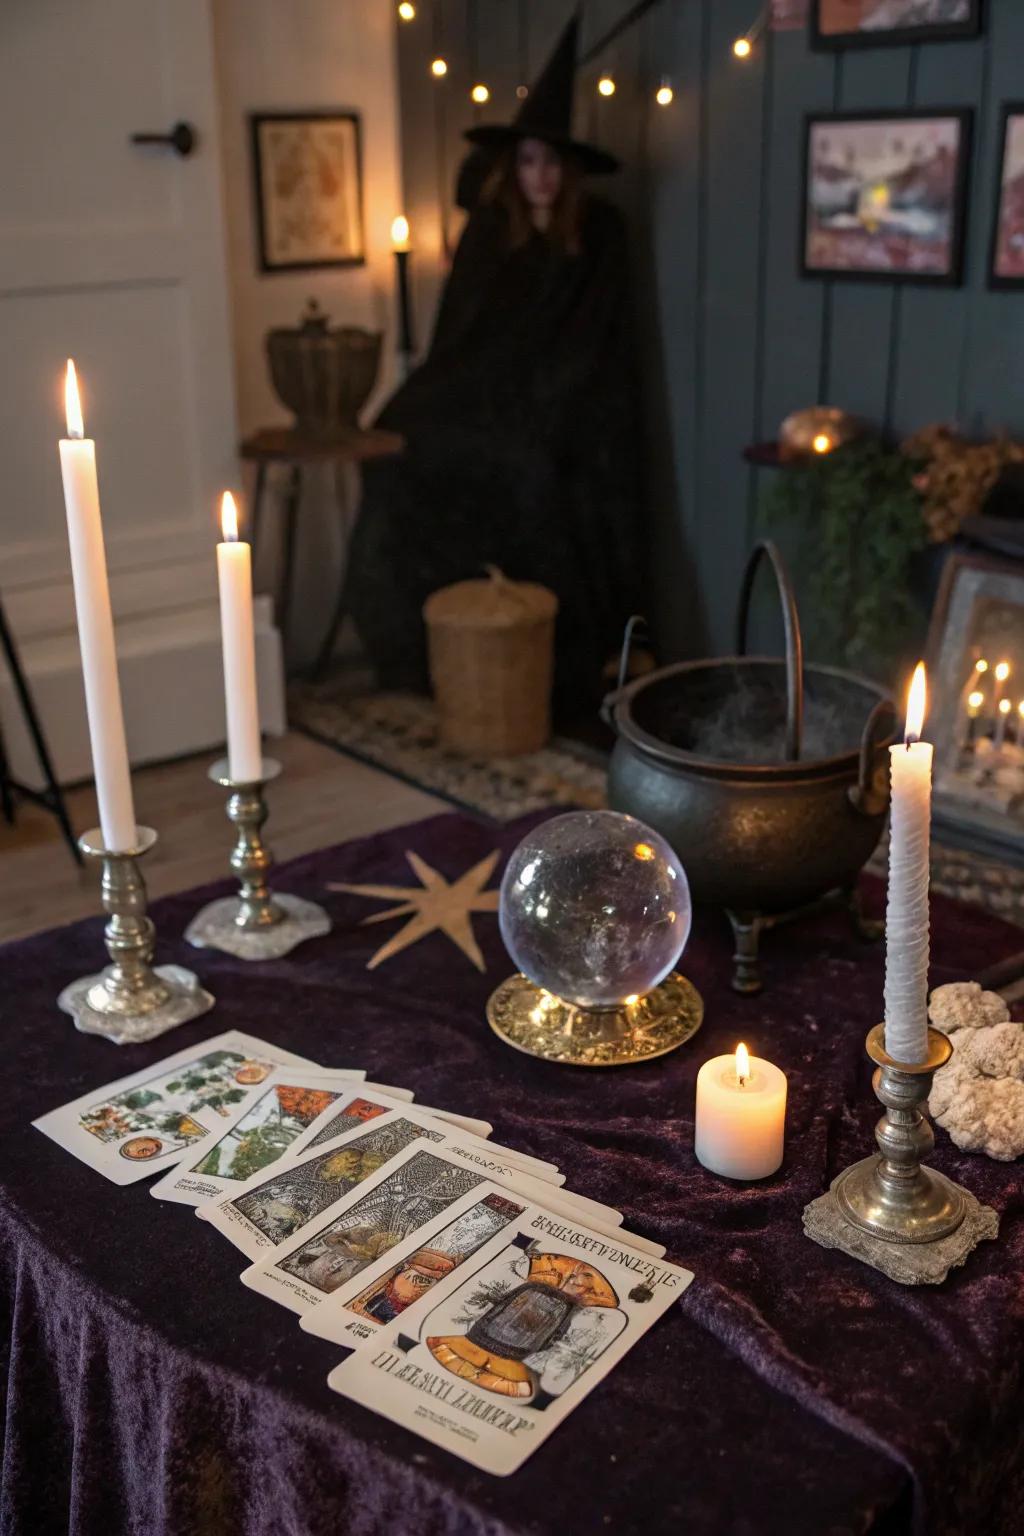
<point x="885" y="195"/>
<point x="886" y="27"/>
<point x="308" y="190"/>
<point x="978" y="615"/>
<point x="1006" y="249"/>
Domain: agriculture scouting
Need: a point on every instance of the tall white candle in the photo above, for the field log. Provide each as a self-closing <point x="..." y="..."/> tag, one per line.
<point x="95" y="627"/>
<point x="234" y="579"/>
<point x="740" y="1122"/>
<point x="906" y="913"/>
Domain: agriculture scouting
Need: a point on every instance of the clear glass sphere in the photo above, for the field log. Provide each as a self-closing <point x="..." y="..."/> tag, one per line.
<point x="595" y="907"/>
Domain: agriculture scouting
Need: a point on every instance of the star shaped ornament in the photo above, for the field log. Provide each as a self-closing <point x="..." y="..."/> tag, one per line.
<point x="433" y="905"/>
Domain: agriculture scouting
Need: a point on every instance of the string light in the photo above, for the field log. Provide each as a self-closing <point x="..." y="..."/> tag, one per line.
<point x="606" y="86"/>
<point x="742" y="47"/>
<point x="821" y="443"/>
<point x="480" y="93"/>
<point x="663" y="95"/>
<point x="406" y="10"/>
<point x="438" y="69"/>
<point x="522" y="91"/>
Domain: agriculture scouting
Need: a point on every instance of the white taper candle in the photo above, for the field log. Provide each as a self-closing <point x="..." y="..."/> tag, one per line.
<point x="906" y="913"/>
<point x="234" y="580"/>
<point x="95" y="627"/>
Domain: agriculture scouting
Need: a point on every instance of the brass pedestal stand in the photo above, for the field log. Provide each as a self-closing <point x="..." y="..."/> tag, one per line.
<point x="532" y="1020"/>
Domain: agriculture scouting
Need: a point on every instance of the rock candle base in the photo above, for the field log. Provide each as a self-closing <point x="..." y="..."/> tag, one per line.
<point x="890" y="1211"/>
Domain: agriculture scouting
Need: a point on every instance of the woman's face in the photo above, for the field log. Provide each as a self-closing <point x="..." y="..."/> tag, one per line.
<point x="539" y="173"/>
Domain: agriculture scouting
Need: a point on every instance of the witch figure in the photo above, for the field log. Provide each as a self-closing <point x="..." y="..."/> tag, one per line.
<point x="519" y="425"/>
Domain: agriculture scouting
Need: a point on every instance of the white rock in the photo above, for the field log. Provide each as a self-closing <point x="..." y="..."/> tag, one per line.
<point x="996" y="1051"/>
<point x="978" y="1097"/>
<point x="963" y="1005"/>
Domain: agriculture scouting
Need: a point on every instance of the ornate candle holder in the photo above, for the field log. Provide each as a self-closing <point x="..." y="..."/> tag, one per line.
<point x="909" y="1221"/>
<point x="255" y="924"/>
<point x="130" y="1000"/>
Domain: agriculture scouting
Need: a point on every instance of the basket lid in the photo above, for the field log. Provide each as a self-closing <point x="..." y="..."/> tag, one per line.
<point x="491" y="602"/>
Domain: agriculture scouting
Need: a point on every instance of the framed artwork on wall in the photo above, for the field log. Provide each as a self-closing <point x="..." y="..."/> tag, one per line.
<point x="885" y="195"/>
<point x="875" y="23"/>
<point x="976" y="713"/>
<point x="308" y="184"/>
<point x="1006" y="263"/>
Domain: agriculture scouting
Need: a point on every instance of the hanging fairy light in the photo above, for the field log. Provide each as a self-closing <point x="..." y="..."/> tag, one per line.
<point x="438" y="69"/>
<point x="606" y="86"/>
<point x="742" y="47"/>
<point x="480" y="94"/>
<point x="522" y="91"/>
<point x="664" y="94"/>
<point x="406" y="11"/>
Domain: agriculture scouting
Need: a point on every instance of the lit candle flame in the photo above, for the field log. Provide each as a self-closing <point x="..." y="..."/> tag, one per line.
<point x="1002" y="671"/>
<point x="1004" y="706"/>
<point x="916" y="703"/>
<point x="981" y="665"/>
<point x="400" y="232"/>
<point x="742" y="1064"/>
<point x="228" y="518"/>
<point x="1020" y="709"/>
<point x="72" y="403"/>
<point x="976" y="700"/>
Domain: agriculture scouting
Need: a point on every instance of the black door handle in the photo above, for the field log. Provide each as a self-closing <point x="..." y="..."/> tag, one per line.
<point x="182" y="139"/>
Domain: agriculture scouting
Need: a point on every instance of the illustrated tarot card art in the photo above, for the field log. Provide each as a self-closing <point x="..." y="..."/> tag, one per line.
<point x="513" y="1342"/>
<point x="151" y="1119"/>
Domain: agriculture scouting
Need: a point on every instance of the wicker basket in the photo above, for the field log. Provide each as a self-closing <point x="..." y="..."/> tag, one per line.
<point x="491" y="658"/>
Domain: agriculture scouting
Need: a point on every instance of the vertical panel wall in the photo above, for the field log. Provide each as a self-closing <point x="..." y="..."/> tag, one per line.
<point x="731" y="336"/>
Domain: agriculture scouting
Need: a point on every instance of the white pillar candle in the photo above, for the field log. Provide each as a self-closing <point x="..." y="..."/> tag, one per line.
<point x="906" y="912"/>
<point x="741" y="1116"/>
<point x="234" y="580"/>
<point x="95" y="627"/>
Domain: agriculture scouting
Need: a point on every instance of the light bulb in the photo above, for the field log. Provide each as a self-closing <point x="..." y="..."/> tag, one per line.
<point x="522" y="91"/>
<point x="480" y="93"/>
<point x="606" y="85"/>
<point x="741" y="47"/>
<point x="663" y="95"/>
<point x="406" y="10"/>
<point x="438" y="68"/>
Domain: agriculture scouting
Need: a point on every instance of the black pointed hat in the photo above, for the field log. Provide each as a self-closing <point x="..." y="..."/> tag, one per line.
<point x="547" y="112"/>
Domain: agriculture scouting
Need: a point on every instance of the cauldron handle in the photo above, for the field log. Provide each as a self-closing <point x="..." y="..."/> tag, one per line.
<point x="633" y="623"/>
<point x="866" y="795"/>
<point x="794" y="643"/>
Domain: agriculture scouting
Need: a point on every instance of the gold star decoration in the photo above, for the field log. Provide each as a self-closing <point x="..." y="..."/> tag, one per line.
<point x="433" y="905"/>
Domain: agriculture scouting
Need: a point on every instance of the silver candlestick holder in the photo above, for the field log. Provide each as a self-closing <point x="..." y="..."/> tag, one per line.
<point x="257" y="924"/>
<point x="131" y="999"/>
<point x="889" y="1210"/>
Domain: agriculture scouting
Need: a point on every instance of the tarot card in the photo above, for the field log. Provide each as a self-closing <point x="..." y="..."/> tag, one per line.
<point x="128" y="1129"/>
<point x="412" y="1189"/>
<point x="258" y="1134"/>
<point x="326" y="1130"/>
<point x="509" y="1343"/>
<point x="272" y="1209"/>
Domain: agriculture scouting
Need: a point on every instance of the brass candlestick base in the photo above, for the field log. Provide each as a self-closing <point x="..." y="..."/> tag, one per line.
<point x="130" y="1000"/>
<point x="254" y="925"/>
<point x="909" y="1221"/>
<point x="532" y="1020"/>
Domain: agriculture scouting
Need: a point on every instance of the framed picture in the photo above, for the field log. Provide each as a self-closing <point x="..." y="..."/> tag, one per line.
<point x="875" y="23"/>
<point x="309" y="195"/>
<point x="976" y="711"/>
<point x="1006" y="264"/>
<point x="884" y="195"/>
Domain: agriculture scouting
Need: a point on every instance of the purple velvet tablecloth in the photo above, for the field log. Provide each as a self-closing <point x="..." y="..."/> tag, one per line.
<point x="791" y="1390"/>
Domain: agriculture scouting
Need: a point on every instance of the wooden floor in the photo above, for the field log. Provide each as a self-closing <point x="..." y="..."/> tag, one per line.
<point x="320" y="798"/>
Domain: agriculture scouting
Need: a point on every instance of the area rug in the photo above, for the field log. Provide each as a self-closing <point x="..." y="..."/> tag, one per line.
<point x="398" y="733"/>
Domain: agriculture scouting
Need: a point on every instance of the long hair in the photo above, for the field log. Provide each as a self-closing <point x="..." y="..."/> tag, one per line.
<point x="502" y="189"/>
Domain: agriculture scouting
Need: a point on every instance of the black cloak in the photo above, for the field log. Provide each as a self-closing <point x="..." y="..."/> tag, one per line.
<point x="521" y="452"/>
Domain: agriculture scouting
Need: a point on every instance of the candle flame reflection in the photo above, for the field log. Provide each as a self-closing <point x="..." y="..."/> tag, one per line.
<point x="742" y="1064"/>
<point x="916" y="703"/>
<point x="72" y="402"/>
<point x="228" y="518"/>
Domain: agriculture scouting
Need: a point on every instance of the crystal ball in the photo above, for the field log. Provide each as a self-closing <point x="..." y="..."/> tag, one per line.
<point x="595" y="907"/>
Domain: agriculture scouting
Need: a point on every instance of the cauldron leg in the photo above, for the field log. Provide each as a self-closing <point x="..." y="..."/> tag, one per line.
<point x="864" y="927"/>
<point x="746" y="932"/>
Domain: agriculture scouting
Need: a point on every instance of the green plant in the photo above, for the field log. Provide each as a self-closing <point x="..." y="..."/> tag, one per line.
<point x="860" y="522"/>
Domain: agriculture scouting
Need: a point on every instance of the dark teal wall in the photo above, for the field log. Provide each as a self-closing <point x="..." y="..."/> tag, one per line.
<point x="733" y="337"/>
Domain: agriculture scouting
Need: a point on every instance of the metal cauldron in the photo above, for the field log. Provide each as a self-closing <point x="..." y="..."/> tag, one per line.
<point x="325" y="376"/>
<point x="769" y="778"/>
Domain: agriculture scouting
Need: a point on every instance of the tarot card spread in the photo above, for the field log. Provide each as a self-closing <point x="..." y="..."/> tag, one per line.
<point x="506" y="1345"/>
<point x="151" y="1119"/>
<point x="268" y="1211"/>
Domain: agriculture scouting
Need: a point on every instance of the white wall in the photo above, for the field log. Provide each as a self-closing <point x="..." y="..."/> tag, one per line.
<point x="281" y="55"/>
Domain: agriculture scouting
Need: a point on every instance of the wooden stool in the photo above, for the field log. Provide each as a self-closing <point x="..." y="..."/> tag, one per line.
<point x="297" y="450"/>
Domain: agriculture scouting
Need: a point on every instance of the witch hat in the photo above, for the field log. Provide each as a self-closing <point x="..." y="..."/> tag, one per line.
<point x="547" y="112"/>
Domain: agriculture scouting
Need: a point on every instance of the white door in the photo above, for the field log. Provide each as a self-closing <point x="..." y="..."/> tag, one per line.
<point x="114" y="254"/>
